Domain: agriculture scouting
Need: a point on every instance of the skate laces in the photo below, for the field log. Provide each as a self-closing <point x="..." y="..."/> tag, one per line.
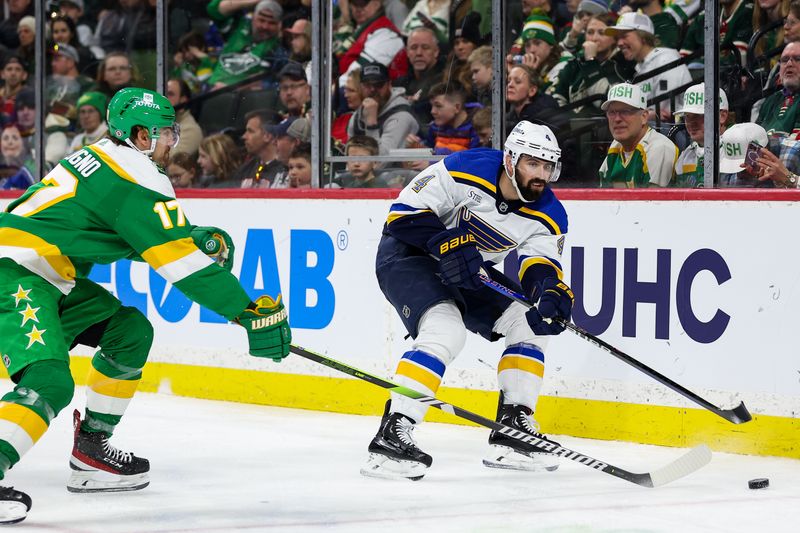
<point x="528" y="423"/>
<point x="115" y="454"/>
<point x="403" y="429"/>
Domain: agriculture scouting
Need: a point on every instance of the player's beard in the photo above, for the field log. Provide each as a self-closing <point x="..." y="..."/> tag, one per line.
<point x="531" y="191"/>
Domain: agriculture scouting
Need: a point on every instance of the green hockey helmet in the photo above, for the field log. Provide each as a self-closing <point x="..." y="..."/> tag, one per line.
<point x="134" y="106"/>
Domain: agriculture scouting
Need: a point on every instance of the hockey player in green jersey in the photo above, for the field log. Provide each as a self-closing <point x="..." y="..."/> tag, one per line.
<point x="108" y="201"/>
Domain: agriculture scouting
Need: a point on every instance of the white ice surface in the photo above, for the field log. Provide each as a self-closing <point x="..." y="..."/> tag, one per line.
<point x="219" y="467"/>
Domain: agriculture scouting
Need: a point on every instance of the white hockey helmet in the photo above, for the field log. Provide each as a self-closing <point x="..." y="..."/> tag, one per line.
<point x="536" y="141"/>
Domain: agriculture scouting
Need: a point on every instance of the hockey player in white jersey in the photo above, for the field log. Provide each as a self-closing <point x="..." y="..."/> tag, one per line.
<point x="459" y="216"/>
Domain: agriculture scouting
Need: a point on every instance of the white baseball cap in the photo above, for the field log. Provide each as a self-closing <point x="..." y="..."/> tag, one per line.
<point x="733" y="145"/>
<point x="627" y="93"/>
<point x="632" y="21"/>
<point x="694" y="100"/>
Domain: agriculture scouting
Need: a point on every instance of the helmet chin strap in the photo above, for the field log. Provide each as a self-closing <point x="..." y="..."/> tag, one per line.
<point x="513" y="178"/>
<point x="149" y="152"/>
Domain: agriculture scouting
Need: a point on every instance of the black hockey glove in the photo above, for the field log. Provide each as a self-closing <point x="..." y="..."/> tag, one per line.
<point x="556" y="302"/>
<point x="215" y="243"/>
<point x="459" y="258"/>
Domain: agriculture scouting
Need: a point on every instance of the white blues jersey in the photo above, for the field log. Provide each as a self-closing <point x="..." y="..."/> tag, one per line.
<point x="461" y="191"/>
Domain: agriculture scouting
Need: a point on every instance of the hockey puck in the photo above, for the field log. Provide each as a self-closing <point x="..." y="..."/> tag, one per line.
<point x="759" y="483"/>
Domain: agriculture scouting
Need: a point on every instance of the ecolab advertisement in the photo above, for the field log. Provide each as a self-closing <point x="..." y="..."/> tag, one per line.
<point x="705" y="292"/>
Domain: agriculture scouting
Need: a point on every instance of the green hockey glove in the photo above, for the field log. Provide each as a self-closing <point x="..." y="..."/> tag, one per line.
<point x="215" y="243"/>
<point x="267" y="328"/>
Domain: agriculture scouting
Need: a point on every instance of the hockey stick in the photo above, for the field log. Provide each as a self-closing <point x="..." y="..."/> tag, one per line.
<point x="695" y="459"/>
<point x="737" y="415"/>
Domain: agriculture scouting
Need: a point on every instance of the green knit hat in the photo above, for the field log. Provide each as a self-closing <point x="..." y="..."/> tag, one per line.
<point x="539" y="26"/>
<point x="95" y="99"/>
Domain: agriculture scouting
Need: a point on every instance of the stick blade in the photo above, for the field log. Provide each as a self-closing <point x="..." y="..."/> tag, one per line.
<point x="739" y="414"/>
<point x="694" y="460"/>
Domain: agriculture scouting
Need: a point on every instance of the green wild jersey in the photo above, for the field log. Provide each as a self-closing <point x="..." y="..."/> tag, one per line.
<point x="107" y="202"/>
<point x="651" y="162"/>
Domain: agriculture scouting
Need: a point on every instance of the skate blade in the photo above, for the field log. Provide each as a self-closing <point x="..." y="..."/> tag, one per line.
<point x="100" y="481"/>
<point x="12" y="512"/>
<point x="507" y="458"/>
<point x="382" y="467"/>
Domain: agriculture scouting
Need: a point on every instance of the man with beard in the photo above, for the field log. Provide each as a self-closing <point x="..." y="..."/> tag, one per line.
<point x="689" y="167"/>
<point x="455" y="220"/>
<point x="252" y="43"/>
<point x="639" y="155"/>
<point x="108" y="201"/>
<point x="779" y="112"/>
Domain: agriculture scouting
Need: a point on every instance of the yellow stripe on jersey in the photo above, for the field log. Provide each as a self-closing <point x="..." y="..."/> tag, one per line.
<point x="473" y="178"/>
<point x="394" y="215"/>
<point x="107" y="159"/>
<point x="59" y="262"/>
<point x="169" y="252"/>
<point x="108" y="386"/>
<point x="544" y="217"/>
<point x="419" y="374"/>
<point x="529" y="262"/>
<point x="24" y="417"/>
<point x="526" y="364"/>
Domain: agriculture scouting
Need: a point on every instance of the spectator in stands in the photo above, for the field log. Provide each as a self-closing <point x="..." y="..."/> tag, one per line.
<point x="115" y="72"/>
<point x="192" y="62"/>
<point x="66" y="83"/>
<point x="218" y="158"/>
<point x="637" y="42"/>
<point x="689" y="167"/>
<point x="778" y="113"/>
<point x="532" y="10"/>
<point x="361" y="174"/>
<point x="74" y="9"/>
<point x="17" y="156"/>
<point x="736" y="28"/>
<point x="480" y="66"/>
<point x="431" y="14"/>
<point x="451" y="129"/>
<point x="300" y="41"/>
<point x="782" y="169"/>
<point x="482" y="120"/>
<point x="17" y="10"/>
<point x="293" y="90"/>
<point x="298" y="132"/>
<point x="130" y="27"/>
<point x="352" y="97"/>
<point x="765" y="12"/>
<point x="665" y="27"/>
<point x="384" y="113"/>
<point x="178" y="93"/>
<point x="396" y="11"/>
<point x="300" y="167"/>
<point x="26" y="35"/>
<point x="527" y="102"/>
<point x="639" y="155"/>
<point x="365" y="35"/>
<point x="252" y="44"/>
<point x="91" y="119"/>
<point x="63" y="30"/>
<point x="14" y="77"/>
<point x="598" y="66"/>
<point x="467" y="39"/>
<point x="791" y="25"/>
<point x="25" y="111"/>
<point x="734" y="171"/>
<point x="542" y="54"/>
<point x="182" y="170"/>
<point x="425" y="70"/>
<point x="575" y="34"/>
<point x="262" y="168"/>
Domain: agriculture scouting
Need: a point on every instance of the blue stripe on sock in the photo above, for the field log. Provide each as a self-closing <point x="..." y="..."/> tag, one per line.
<point x="528" y="350"/>
<point x="426" y="360"/>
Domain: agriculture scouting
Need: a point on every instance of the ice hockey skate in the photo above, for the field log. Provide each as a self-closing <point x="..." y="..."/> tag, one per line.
<point x="512" y="454"/>
<point x="14" y="505"/>
<point x="393" y="453"/>
<point x="97" y="466"/>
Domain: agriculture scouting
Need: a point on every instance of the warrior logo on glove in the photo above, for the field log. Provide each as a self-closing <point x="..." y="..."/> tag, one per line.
<point x="268" y="333"/>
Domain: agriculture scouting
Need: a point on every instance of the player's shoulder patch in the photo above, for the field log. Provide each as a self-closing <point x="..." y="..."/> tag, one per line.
<point x="133" y="166"/>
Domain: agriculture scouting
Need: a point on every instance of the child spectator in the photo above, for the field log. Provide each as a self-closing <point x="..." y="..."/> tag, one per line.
<point x="451" y="129"/>
<point x="218" y="158"/>
<point x="192" y="62"/>
<point x="182" y="170"/>
<point x="361" y="174"/>
<point x="300" y="167"/>
<point x="482" y="120"/>
<point x="480" y="66"/>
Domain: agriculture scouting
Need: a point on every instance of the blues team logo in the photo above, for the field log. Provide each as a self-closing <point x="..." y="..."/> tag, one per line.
<point x="422" y="182"/>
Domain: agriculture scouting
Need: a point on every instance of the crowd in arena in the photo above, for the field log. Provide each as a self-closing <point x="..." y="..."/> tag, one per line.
<point x="617" y="82"/>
